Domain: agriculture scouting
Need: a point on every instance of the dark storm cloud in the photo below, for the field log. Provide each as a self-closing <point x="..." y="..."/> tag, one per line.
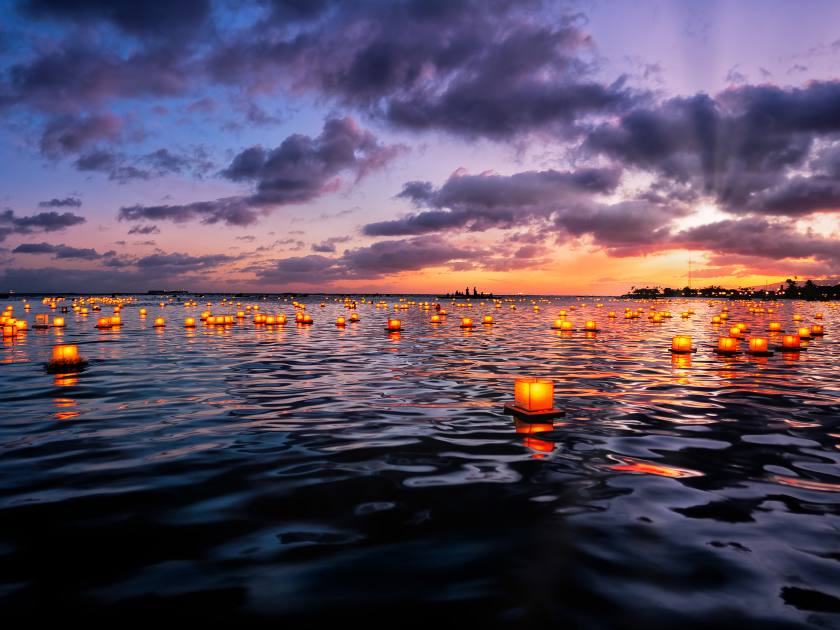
<point x="67" y="202"/>
<point x="493" y="69"/>
<point x="303" y="167"/>
<point x="144" y="230"/>
<point x="70" y="134"/>
<point x="481" y="202"/>
<point x="231" y="211"/>
<point x="745" y="148"/>
<point x="131" y="16"/>
<point x="59" y="252"/>
<point x="41" y="222"/>
<point x="373" y="261"/>
<point x="299" y="170"/>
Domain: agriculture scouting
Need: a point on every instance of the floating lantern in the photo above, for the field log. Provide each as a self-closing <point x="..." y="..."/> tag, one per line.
<point x="354" y="317"/>
<point x="681" y="344"/>
<point x="9" y="330"/>
<point x="21" y="325"/>
<point x="791" y="342"/>
<point x="716" y="319"/>
<point x="591" y="326"/>
<point x="307" y="320"/>
<point x="270" y="320"/>
<point x="434" y="319"/>
<point x="281" y="319"/>
<point x="804" y="333"/>
<point x="394" y="325"/>
<point x="488" y="319"/>
<point x="797" y="318"/>
<point x="735" y="331"/>
<point x="340" y="321"/>
<point x="611" y="314"/>
<point x="656" y="319"/>
<point x="533" y="399"/>
<point x="299" y="317"/>
<point x="558" y="323"/>
<point x="442" y="312"/>
<point x="466" y="322"/>
<point x="775" y="327"/>
<point x="189" y="322"/>
<point x="142" y="312"/>
<point x="817" y="330"/>
<point x="42" y="320"/>
<point x="103" y="322"/>
<point x="58" y="322"/>
<point x="566" y="326"/>
<point x="65" y="357"/>
<point x="727" y="345"/>
<point x="240" y="314"/>
<point x="116" y="322"/>
<point x="759" y="347"/>
<point x="159" y="322"/>
<point x="818" y="316"/>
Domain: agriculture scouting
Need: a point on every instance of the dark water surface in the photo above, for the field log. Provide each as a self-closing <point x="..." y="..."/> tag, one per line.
<point x="315" y="472"/>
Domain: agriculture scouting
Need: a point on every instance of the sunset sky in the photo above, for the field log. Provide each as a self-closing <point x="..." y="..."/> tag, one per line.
<point x="422" y="146"/>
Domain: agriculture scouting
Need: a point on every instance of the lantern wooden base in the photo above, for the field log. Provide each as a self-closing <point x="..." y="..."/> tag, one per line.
<point x="388" y="330"/>
<point x="818" y="334"/>
<point x="783" y="349"/>
<point x="65" y="367"/>
<point x="672" y="351"/>
<point x="726" y="353"/>
<point x="566" y="329"/>
<point x="40" y="326"/>
<point x="757" y="353"/>
<point x="532" y="416"/>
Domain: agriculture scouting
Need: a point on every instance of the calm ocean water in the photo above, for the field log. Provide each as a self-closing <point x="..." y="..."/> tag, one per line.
<point x="350" y="475"/>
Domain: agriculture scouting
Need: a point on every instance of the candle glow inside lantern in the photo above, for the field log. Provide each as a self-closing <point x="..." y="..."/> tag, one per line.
<point x="716" y="319"/>
<point x="735" y="331"/>
<point x="804" y="332"/>
<point x="466" y="322"/>
<point x="354" y="317"/>
<point x="774" y="327"/>
<point x="307" y="320"/>
<point x="488" y="319"/>
<point x="681" y="344"/>
<point x="434" y="319"/>
<point x="340" y="321"/>
<point x="9" y="330"/>
<point x="103" y="322"/>
<point x="159" y="322"/>
<point x="142" y="312"/>
<point x="533" y="399"/>
<point x="189" y="322"/>
<point x="818" y="315"/>
<point x="116" y="322"/>
<point x="591" y="326"/>
<point x="42" y="320"/>
<point x="817" y="330"/>
<point x="394" y="325"/>
<point x="727" y="345"/>
<point x="759" y="347"/>
<point x="58" y="322"/>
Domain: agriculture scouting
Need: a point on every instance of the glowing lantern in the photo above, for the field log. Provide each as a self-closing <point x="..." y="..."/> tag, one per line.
<point x="758" y="346"/>
<point x="611" y="314"/>
<point x="103" y="322"/>
<point x="774" y="327"/>
<point x="533" y="394"/>
<point x="307" y="320"/>
<point x="142" y="312"/>
<point x="189" y="322"/>
<point x="354" y="317"/>
<point x="804" y="332"/>
<point x="9" y="330"/>
<point x="65" y="354"/>
<point x="566" y="326"/>
<point x="562" y="313"/>
<point x="791" y="342"/>
<point x="818" y="316"/>
<point x="558" y="324"/>
<point x="727" y="345"/>
<point x="681" y="344"/>
<point x="466" y="322"/>
<point x="656" y="319"/>
<point x="735" y="331"/>
<point x="488" y="319"/>
<point x="240" y="314"/>
<point x="116" y="322"/>
<point x="716" y="319"/>
<point x="442" y="312"/>
<point x="58" y="322"/>
<point x="591" y="326"/>
<point x="270" y="320"/>
<point x="299" y="317"/>
<point x="159" y="322"/>
<point x="42" y="320"/>
<point x="797" y="318"/>
<point x="435" y="319"/>
<point x="394" y="325"/>
<point x="21" y="324"/>
<point x="340" y="321"/>
<point x="817" y="330"/>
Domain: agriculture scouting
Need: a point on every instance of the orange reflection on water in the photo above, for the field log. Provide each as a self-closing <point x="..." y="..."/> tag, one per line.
<point x="806" y="484"/>
<point x="540" y="446"/>
<point x="641" y="466"/>
<point x="64" y="403"/>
